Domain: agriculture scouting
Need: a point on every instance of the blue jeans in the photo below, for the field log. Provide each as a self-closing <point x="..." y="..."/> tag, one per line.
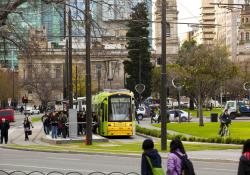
<point x="54" y="132"/>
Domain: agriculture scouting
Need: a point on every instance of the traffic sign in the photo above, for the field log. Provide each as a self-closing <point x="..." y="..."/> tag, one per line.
<point x="140" y="88"/>
<point x="246" y="86"/>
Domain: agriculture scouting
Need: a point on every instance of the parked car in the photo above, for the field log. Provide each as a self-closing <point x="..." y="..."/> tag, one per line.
<point x="141" y="112"/>
<point x="8" y="114"/>
<point x="35" y="111"/>
<point x="30" y="111"/>
<point x="174" y="115"/>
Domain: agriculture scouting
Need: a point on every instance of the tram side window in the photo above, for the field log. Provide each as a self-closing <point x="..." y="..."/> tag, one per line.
<point x="102" y="112"/>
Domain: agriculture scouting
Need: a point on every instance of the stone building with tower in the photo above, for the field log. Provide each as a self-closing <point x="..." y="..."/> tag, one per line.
<point x="108" y="51"/>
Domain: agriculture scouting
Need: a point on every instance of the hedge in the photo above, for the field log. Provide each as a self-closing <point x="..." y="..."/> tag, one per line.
<point x="157" y="133"/>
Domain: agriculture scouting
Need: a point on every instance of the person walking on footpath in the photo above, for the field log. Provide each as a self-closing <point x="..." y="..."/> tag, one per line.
<point x="178" y="162"/>
<point x="27" y="128"/>
<point x="244" y="164"/>
<point x="150" y="158"/>
<point x="5" y="126"/>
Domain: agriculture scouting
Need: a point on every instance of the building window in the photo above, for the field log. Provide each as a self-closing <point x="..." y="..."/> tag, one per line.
<point x="168" y="30"/>
<point x="58" y="72"/>
<point x="246" y="19"/>
<point x="247" y="36"/>
<point x="242" y="20"/>
<point x="242" y="36"/>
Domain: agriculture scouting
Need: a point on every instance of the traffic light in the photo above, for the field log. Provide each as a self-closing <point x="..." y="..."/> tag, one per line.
<point x="25" y="99"/>
<point x="159" y="60"/>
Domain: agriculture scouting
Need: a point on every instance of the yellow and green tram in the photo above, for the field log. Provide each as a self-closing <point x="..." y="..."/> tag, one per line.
<point x="115" y="112"/>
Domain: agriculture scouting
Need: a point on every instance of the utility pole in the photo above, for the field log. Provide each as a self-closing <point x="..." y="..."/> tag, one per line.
<point x="65" y="70"/>
<point x="88" y="74"/>
<point x="163" y="78"/>
<point x="70" y="87"/>
<point x="76" y="94"/>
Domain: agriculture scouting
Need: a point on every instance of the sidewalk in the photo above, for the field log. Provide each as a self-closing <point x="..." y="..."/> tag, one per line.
<point x="38" y="137"/>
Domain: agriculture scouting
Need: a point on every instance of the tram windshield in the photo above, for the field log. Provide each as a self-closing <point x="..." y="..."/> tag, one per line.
<point x="120" y="108"/>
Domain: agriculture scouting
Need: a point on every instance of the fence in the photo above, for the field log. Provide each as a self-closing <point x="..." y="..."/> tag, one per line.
<point x="2" y="172"/>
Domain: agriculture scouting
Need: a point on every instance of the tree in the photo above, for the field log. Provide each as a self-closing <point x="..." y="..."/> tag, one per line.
<point x="138" y="46"/>
<point x="206" y="69"/>
<point x="42" y="83"/>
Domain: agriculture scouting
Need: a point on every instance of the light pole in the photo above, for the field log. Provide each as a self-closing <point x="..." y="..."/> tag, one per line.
<point x="88" y="74"/>
<point x="163" y="78"/>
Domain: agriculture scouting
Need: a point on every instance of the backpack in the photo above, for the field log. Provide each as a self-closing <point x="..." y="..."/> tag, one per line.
<point x="155" y="170"/>
<point x="187" y="165"/>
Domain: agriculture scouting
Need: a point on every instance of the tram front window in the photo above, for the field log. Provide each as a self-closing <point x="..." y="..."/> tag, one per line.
<point x="119" y="109"/>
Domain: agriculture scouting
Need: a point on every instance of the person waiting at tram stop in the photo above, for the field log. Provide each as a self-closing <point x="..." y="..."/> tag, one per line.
<point x="54" y="124"/>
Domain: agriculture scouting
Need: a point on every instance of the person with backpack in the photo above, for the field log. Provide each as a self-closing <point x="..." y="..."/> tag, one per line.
<point x="178" y="162"/>
<point x="244" y="164"/>
<point x="151" y="159"/>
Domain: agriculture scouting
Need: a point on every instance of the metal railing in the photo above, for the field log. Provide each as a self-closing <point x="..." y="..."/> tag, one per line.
<point x="3" y="172"/>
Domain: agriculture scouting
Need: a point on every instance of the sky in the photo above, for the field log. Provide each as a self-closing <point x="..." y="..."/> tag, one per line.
<point x="189" y="12"/>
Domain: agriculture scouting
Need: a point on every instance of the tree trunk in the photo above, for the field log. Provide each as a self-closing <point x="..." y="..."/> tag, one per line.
<point x="199" y="111"/>
<point x="191" y="103"/>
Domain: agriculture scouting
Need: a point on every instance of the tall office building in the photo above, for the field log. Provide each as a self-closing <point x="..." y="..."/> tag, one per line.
<point x="29" y="15"/>
<point x="208" y="21"/>
<point x="172" y="28"/>
<point x="243" y="49"/>
<point x="227" y="20"/>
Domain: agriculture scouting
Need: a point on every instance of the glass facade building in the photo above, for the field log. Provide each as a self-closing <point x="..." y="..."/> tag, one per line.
<point x="35" y="15"/>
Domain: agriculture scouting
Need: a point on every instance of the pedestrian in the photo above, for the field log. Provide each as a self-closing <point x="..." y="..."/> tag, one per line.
<point x="46" y="122"/>
<point x="244" y="164"/>
<point x="149" y="154"/>
<point x="54" y="125"/>
<point x="5" y="126"/>
<point x="224" y="120"/>
<point x="64" y="121"/>
<point x="174" y="163"/>
<point x="27" y="128"/>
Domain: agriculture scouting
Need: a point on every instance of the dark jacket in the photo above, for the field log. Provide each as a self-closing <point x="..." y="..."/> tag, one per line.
<point x="5" y="127"/>
<point x="244" y="165"/>
<point x="155" y="160"/>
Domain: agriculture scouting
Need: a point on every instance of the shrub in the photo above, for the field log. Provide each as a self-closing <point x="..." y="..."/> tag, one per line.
<point x="157" y="133"/>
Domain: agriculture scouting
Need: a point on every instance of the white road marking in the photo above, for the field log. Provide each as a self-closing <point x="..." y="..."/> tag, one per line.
<point x="220" y="169"/>
<point x="62" y="158"/>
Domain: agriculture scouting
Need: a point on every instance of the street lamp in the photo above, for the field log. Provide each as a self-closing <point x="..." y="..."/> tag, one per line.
<point x="178" y="86"/>
<point x="246" y="87"/>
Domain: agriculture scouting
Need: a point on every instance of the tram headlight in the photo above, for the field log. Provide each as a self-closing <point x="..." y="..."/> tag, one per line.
<point x="111" y="124"/>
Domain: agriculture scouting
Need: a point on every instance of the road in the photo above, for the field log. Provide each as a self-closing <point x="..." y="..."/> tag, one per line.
<point x="47" y="162"/>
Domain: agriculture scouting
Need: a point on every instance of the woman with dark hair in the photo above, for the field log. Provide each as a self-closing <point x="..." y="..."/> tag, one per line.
<point x="152" y="154"/>
<point x="174" y="164"/>
<point x="244" y="164"/>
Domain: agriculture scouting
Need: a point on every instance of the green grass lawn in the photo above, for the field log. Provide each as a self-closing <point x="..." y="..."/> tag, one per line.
<point x="238" y="129"/>
<point x="35" y="119"/>
<point x="120" y="148"/>
<point x="206" y="112"/>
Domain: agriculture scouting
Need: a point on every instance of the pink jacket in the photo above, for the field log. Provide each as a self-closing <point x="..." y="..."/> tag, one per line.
<point x="174" y="164"/>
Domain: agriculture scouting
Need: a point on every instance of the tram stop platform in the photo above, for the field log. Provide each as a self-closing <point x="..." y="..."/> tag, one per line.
<point x="79" y="139"/>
